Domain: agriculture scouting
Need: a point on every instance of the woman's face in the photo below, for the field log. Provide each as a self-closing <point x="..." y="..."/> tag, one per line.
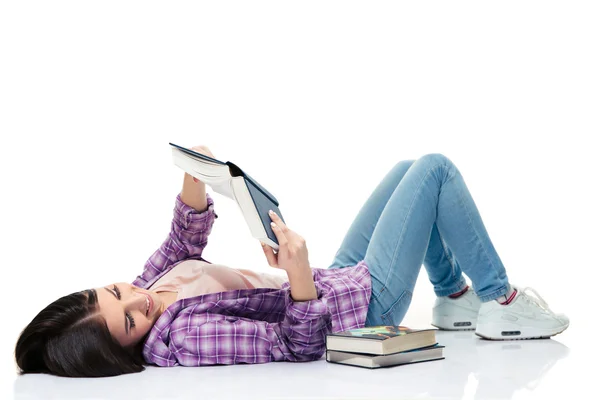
<point x="129" y="311"/>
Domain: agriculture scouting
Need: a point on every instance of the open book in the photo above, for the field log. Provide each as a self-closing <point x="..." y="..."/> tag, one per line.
<point x="229" y="180"/>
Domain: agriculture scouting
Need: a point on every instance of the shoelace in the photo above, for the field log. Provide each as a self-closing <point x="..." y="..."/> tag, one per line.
<point x="539" y="301"/>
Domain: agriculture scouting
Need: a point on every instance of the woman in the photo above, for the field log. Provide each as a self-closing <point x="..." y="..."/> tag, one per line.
<point x="184" y="310"/>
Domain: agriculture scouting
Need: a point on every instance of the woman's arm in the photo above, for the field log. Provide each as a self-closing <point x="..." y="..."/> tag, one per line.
<point x="211" y="338"/>
<point x="187" y="239"/>
<point x="193" y="218"/>
<point x="302" y="285"/>
<point x="193" y="193"/>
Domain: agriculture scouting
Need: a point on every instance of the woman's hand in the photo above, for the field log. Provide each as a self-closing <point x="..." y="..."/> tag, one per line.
<point x="292" y="255"/>
<point x="202" y="150"/>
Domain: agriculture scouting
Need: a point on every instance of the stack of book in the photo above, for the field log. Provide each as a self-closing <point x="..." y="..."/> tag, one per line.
<point x="383" y="346"/>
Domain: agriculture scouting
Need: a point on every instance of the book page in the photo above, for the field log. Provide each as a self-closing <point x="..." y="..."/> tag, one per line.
<point x="216" y="176"/>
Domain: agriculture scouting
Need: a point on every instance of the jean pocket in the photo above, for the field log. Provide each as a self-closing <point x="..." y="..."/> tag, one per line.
<point x="396" y="312"/>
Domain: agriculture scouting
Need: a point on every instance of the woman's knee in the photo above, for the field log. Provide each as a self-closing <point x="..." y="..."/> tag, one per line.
<point x="430" y="160"/>
<point x="435" y="159"/>
<point x="403" y="165"/>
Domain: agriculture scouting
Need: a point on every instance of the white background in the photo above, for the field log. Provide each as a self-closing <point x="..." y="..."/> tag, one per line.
<point x="317" y="100"/>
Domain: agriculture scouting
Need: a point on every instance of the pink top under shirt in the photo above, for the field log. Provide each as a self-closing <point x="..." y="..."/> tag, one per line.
<point x="194" y="278"/>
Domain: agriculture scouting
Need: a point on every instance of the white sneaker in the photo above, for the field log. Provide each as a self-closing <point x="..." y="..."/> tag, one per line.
<point x="458" y="314"/>
<point x="526" y="317"/>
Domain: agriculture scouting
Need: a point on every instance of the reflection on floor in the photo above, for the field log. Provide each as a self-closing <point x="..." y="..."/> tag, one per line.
<point x="473" y="368"/>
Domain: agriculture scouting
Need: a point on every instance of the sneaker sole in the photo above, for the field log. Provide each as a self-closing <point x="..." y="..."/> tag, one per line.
<point x="512" y="333"/>
<point x="453" y="329"/>
<point x="451" y="324"/>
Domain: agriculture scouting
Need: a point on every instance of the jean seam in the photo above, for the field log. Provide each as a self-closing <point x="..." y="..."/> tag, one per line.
<point x="395" y="304"/>
<point x="458" y="280"/>
<point x="479" y="241"/>
<point x="375" y="294"/>
<point x="404" y="223"/>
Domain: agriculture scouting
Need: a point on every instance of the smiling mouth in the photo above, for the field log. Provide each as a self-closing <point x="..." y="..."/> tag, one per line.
<point x="148" y="304"/>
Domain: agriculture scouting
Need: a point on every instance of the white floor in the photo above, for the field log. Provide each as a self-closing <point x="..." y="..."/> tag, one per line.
<point x="473" y="369"/>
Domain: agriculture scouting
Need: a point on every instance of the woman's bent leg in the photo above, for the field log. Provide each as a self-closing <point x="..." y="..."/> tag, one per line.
<point x="431" y="194"/>
<point x="442" y="267"/>
<point x="355" y="243"/>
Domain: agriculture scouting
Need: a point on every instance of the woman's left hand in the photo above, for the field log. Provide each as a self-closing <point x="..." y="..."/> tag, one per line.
<point x="202" y="150"/>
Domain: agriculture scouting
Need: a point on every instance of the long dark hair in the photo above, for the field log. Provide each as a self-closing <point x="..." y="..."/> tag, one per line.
<point x="70" y="338"/>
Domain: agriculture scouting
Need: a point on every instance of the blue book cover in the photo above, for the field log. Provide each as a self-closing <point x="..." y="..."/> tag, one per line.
<point x="263" y="200"/>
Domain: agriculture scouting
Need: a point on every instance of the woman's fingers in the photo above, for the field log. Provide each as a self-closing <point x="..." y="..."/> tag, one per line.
<point x="278" y="221"/>
<point x="271" y="257"/>
<point x="203" y="150"/>
<point x="279" y="228"/>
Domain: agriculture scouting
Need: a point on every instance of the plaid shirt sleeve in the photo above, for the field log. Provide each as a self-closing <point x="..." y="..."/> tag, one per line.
<point x="300" y="336"/>
<point x="187" y="239"/>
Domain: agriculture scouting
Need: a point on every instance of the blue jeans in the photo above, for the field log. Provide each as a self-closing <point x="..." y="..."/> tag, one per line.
<point x="421" y="213"/>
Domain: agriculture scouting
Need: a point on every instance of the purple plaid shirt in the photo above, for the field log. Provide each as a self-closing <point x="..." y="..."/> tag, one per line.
<point x="250" y="326"/>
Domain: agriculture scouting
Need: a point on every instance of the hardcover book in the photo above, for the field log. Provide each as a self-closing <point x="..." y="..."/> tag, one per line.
<point x="381" y="340"/>
<point x="371" y="361"/>
<point x="231" y="181"/>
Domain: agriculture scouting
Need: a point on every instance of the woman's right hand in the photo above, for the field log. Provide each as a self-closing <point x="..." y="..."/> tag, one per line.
<point x="202" y="150"/>
<point x="292" y="255"/>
